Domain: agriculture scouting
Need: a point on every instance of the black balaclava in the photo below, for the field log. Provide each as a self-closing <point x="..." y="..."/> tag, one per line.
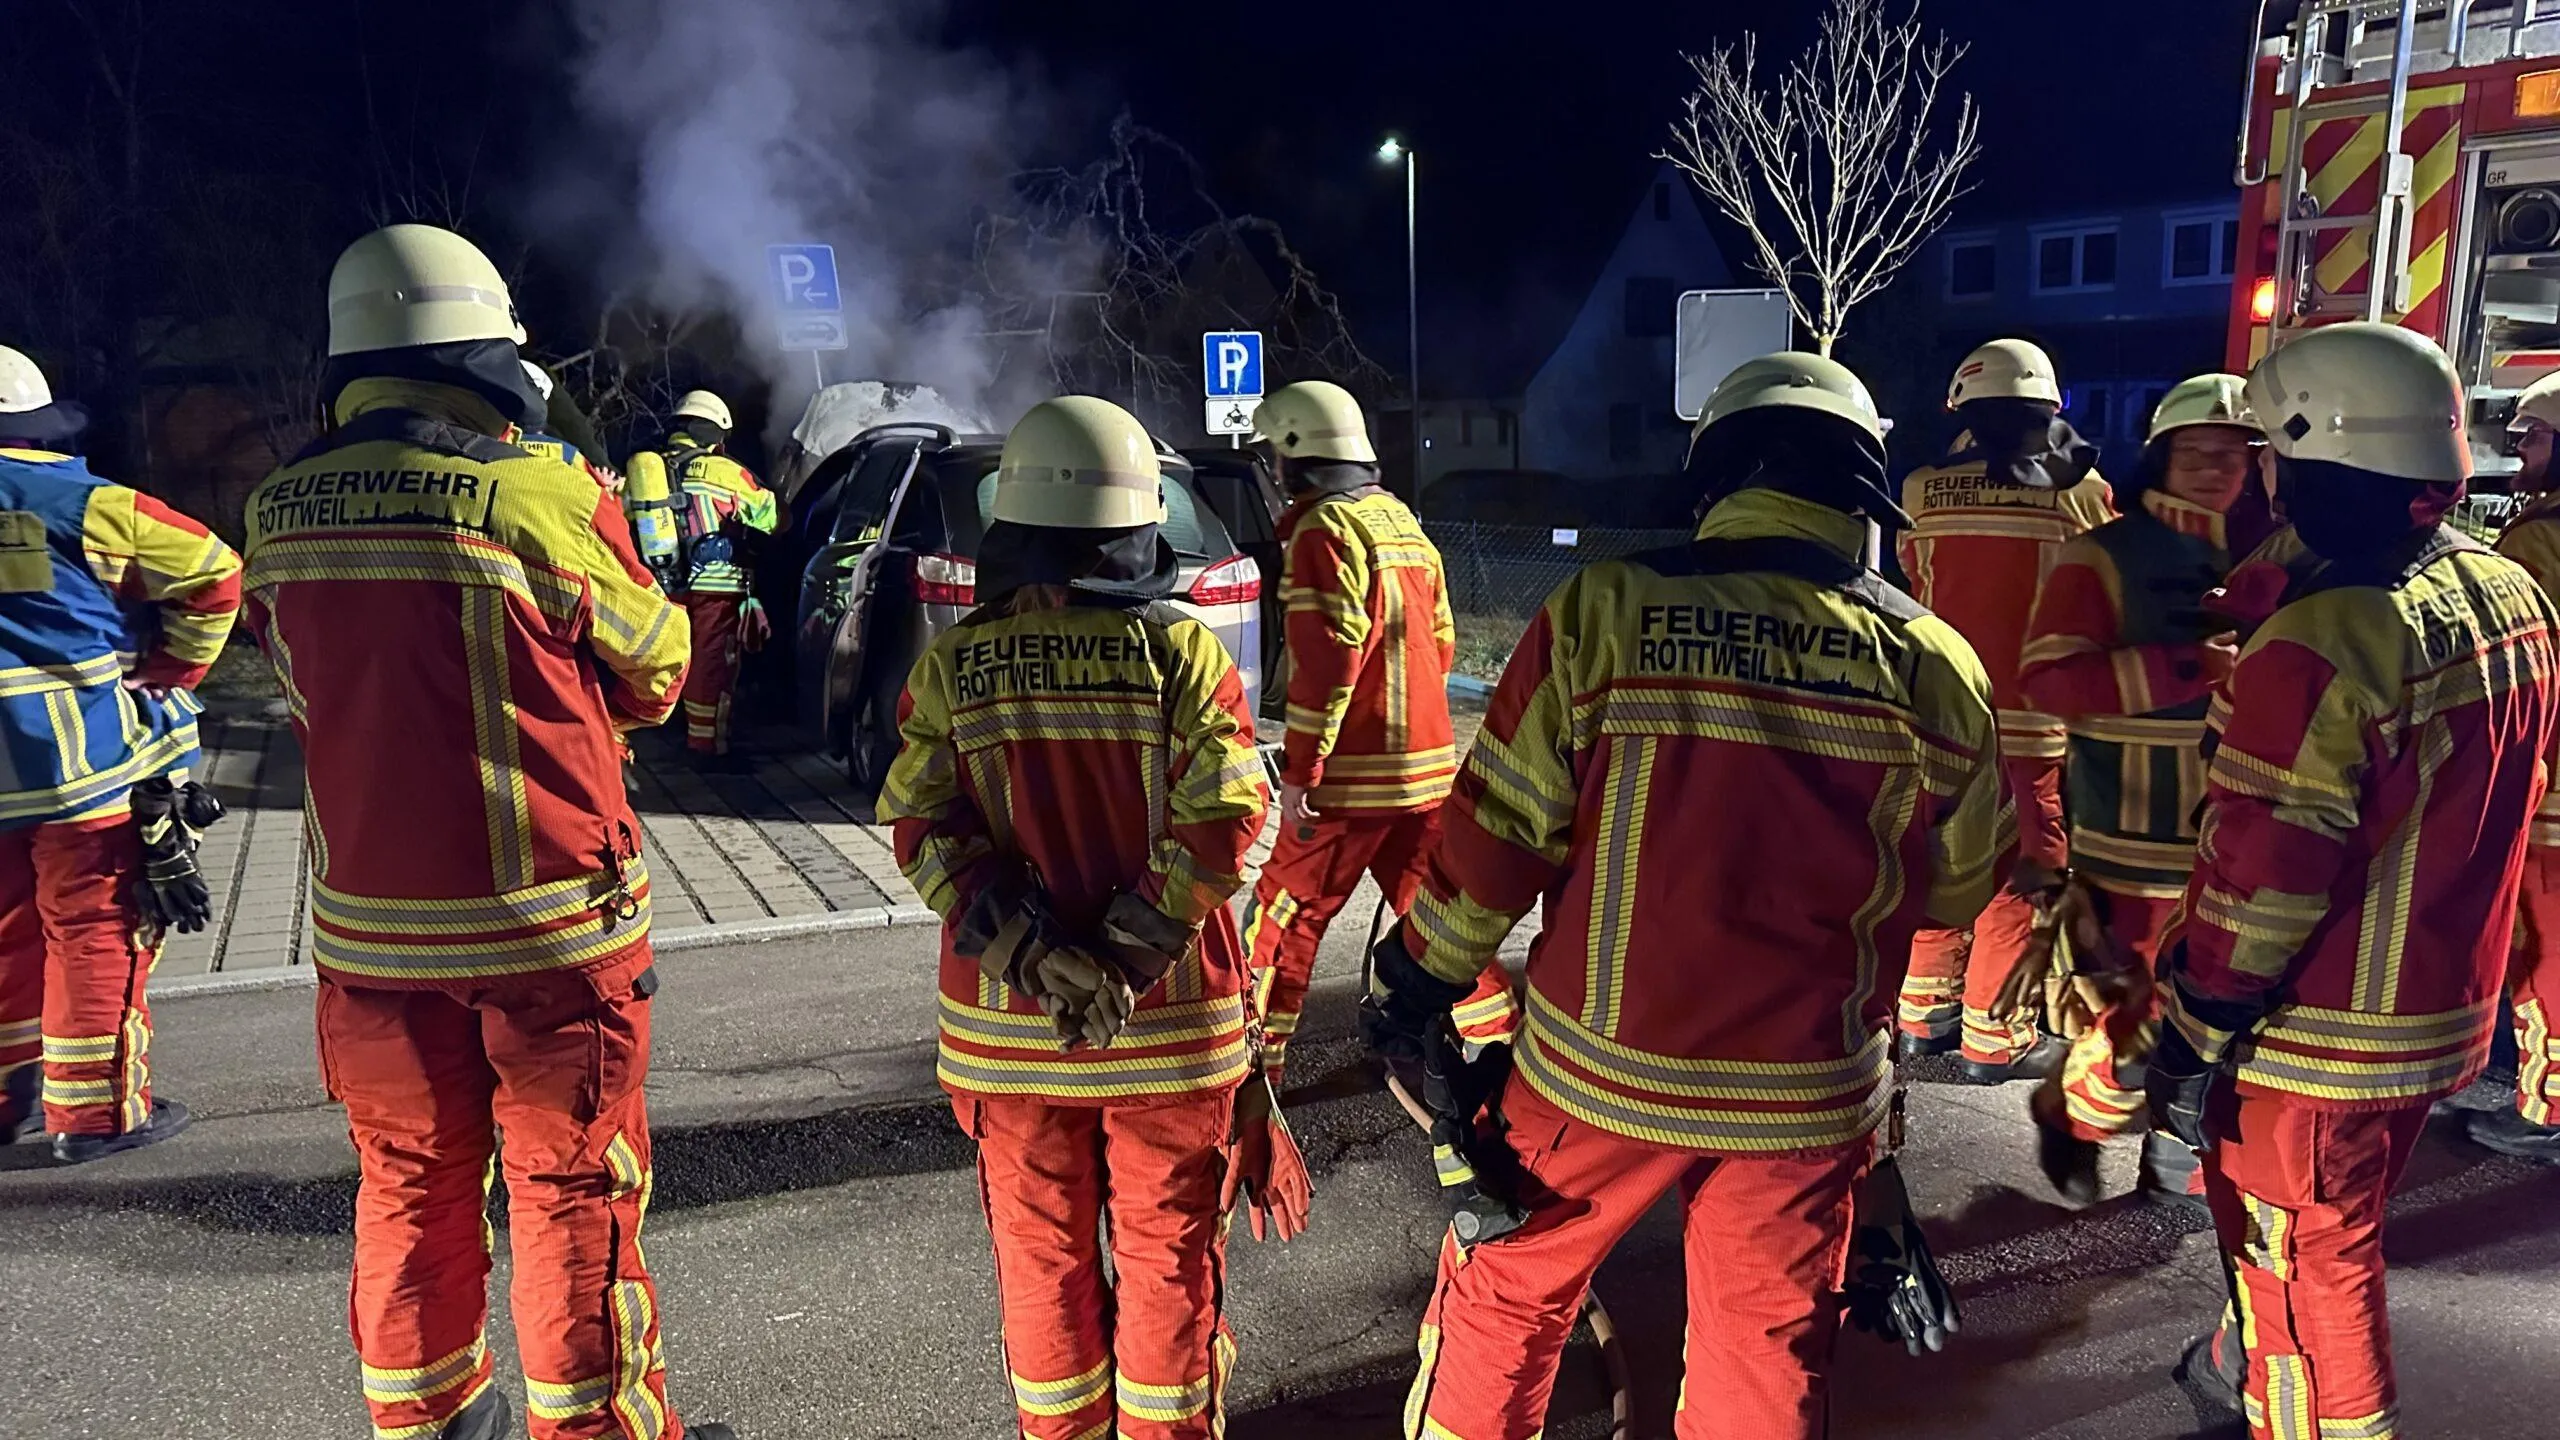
<point x="490" y="369"/>
<point x="1131" y="564"/>
<point x="1329" y="477"/>
<point x="2028" y="442"/>
<point x="698" y="430"/>
<point x="2356" y="517"/>
<point x="56" y="427"/>
<point x="1805" y="453"/>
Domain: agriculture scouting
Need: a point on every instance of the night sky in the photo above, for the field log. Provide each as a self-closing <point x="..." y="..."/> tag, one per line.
<point x="1535" y="124"/>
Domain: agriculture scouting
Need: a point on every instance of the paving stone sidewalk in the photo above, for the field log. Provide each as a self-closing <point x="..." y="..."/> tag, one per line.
<point x="786" y="841"/>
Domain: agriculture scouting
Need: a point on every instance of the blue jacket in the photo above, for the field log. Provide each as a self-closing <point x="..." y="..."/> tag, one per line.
<point x="98" y="584"/>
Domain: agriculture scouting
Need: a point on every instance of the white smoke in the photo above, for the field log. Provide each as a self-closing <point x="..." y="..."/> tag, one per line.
<point x="726" y="127"/>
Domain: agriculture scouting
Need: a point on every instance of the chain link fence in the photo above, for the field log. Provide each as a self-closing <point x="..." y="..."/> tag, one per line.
<point x="1500" y="574"/>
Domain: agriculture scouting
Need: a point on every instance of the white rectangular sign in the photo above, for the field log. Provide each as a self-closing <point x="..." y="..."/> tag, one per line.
<point x="1717" y="330"/>
<point x="810" y="330"/>
<point x="1231" y="415"/>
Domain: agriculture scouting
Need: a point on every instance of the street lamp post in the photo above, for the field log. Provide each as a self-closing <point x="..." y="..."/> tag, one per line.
<point x="1393" y="151"/>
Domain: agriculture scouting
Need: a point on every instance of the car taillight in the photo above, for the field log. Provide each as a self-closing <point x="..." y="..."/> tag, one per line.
<point x="1235" y="580"/>
<point x="2262" y="300"/>
<point x="946" y="580"/>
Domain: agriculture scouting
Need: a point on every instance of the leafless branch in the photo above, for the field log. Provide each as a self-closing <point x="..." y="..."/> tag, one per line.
<point x="1840" y="167"/>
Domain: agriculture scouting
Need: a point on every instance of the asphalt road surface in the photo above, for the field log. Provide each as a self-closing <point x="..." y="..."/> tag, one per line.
<point x="823" y="1261"/>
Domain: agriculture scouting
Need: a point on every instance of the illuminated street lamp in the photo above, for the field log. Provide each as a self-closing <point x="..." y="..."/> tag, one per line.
<point x="1391" y="152"/>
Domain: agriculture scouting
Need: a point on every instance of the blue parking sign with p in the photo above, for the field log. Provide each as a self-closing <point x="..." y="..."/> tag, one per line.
<point x="804" y="277"/>
<point x="1232" y="362"/>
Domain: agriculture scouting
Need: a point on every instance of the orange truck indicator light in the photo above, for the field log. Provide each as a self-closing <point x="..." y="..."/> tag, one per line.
<point x="2262" y="300"/>
<point x="2538" y="95"/>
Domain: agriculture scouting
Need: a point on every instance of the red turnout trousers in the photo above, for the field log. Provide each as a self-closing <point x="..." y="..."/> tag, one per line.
<point x="1767" y="1248"/>
<point x="1147" y="1357"/>
<point x="2533" y="983"/>
<point x="430" y="1077"/>
<point x="2297" y="1198"/>
<point x="74" y="957"/>
<point x="1955" y="974"/>
<point x="2097" y="1100"/>
<point x="1307" y="882"/>
<point x="713" y="676"/>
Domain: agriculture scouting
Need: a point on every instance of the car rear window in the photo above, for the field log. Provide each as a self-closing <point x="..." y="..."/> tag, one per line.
<point x="1193" y="528"/>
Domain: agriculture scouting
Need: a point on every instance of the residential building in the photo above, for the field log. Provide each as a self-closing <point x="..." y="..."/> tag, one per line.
<point x="1601" y="405"/>
<point x="2128" y="299"/>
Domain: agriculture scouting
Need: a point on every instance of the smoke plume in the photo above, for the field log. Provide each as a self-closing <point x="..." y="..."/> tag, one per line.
<point x="719" y="129"/>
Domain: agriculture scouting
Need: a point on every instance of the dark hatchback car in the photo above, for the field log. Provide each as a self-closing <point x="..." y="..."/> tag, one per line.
<point x="886" y="534"/>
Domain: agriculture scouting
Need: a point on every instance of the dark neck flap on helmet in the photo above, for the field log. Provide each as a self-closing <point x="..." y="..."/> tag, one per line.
<point x="57" y="427"/>
<point x="1134" y="564"/>
<point x="1805" y="453"/>
<point x="1309" y="478"/>
<point x="490" y="369"/>
<point x="2356" y="516"/>
<point x="2027" y="442"/>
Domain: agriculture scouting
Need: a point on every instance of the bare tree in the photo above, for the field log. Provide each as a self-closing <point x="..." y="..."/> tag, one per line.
<point x="1841" y="166"/>
<point x="1107" y="275"/>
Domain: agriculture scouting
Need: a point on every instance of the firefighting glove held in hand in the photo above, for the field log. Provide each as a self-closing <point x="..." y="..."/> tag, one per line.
<point x="2180" y="1088"/>
<point x="1092" y="1002"/>
<point x="754" y="629"/>
<point x="1266" y="1169"/>
<point x="1404" y="1001"/>
<point x="1479" y="1172"/>
<point x="1143" y="940"/>
<point x="174" y="894"/>
<point x="1895" y="1291"/>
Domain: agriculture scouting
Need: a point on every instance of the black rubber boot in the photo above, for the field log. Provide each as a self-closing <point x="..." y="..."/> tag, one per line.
<point x="487" y="1418"/>
<point x="2168" y="1167"/>
<point x="709" y="1432"/>
<point x="1913" y="1047"/>
<point x="168" y="1117"/>
<point x="2069" y="1163"/>
<point x="2509" y="1133"/>
<point x="20" y="1111"/>
<point x="2043" y="1058"/>
<point x="2214" y="1367"/>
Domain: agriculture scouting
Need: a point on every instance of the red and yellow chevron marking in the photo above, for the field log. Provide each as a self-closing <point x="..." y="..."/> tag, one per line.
<point x="2342" y="157"/>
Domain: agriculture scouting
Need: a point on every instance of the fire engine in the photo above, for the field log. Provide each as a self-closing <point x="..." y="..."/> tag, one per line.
<point x="2400" y="161"/>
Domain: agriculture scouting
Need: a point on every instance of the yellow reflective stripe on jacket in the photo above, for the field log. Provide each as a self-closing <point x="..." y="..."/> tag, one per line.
<point x="1180" y="1074"/>
<point x="435" y="557"/>
<point x="45" y="679"/>
<point x="409" y="948"/>
<point x="2353" y="1055"/>
<point x="1703" y="1104"/>
<point x="1149" y="1026"/>
<point x="100" y="792"/>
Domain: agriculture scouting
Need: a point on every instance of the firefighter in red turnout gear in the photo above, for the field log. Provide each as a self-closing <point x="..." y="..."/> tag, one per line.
<point x="1691" y="1023"/>
<point x="2367" y="814"/>
<point x="93" y="757"/>
<point x="1986" y="527"/>
<point x="1370" y="755"/>
<point x="2531" y="1130"/>
<point x="462" y="632"/>
<point x="1076" y="794"/>
<point x="2123" y="650"/>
